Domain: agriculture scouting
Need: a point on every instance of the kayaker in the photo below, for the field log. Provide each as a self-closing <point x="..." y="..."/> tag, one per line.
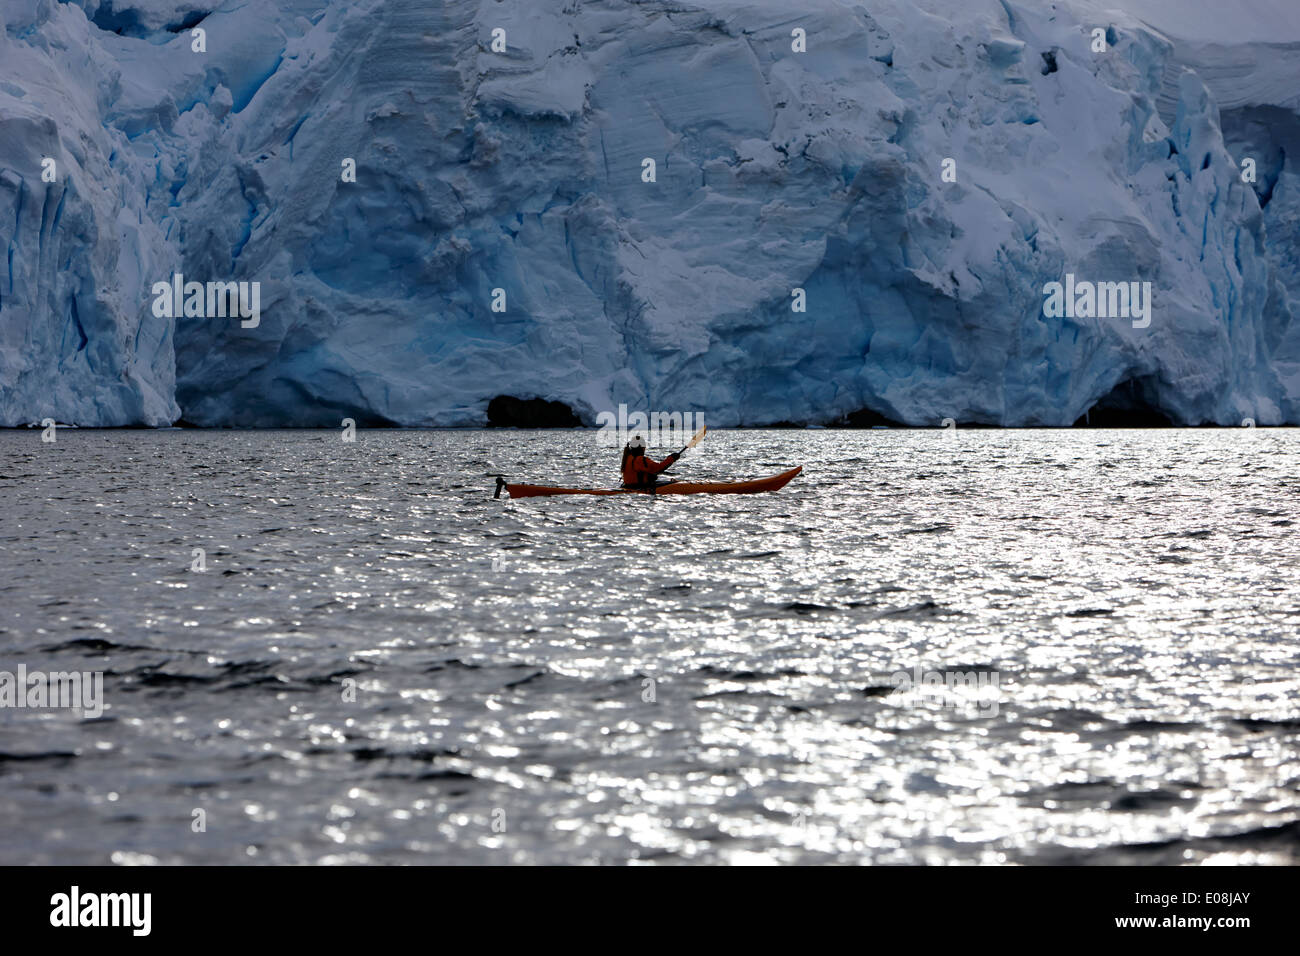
<point x="638" y="470"/>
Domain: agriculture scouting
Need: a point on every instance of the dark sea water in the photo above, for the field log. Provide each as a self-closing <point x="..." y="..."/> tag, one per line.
<point x="382" y="664"/>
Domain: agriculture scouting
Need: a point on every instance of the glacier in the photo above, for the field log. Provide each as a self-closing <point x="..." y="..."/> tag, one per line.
<point x="515" y="177"/>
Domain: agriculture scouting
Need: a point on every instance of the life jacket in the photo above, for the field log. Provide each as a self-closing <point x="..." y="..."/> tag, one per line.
<point x="639" y="471"/>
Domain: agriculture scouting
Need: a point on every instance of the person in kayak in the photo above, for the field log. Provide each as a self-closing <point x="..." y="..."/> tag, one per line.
<point x="638" y="470"/>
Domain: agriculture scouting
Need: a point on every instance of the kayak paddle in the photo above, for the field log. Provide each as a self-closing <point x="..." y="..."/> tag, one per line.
<point x="695" y="440"/>
<point x="699" y="436"/>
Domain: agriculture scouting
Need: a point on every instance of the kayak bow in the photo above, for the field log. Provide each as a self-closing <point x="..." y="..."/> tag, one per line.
<point x="773" y="483"/>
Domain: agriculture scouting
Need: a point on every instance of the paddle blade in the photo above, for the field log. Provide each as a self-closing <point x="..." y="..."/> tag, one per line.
<point x="699" y="435"/>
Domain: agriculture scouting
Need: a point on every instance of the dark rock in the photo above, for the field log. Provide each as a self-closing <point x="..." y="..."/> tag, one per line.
<point x="867" y="418"/>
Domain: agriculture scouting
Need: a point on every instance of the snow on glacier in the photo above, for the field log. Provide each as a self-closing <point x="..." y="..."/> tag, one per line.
<point x="522" y="171"/>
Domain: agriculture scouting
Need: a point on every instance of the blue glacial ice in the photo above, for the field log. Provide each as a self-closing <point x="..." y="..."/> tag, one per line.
<point x="522" y="170"/>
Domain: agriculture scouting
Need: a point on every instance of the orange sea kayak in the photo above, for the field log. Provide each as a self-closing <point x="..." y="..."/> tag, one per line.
<point x="773" y="483"/>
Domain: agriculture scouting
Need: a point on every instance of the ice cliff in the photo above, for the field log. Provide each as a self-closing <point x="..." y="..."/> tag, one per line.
<point x="516" y="176"/>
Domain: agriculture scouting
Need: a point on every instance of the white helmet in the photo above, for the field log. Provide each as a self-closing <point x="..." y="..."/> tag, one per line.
<point x="636" y="445"/>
